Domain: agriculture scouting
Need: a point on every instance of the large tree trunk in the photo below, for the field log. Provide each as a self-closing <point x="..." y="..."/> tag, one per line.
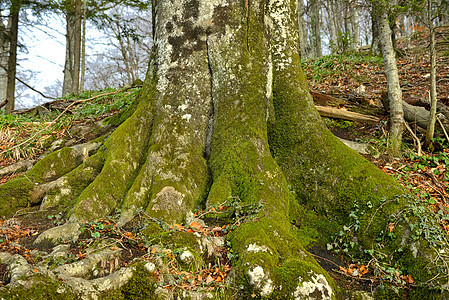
<point x="225" y="113"/>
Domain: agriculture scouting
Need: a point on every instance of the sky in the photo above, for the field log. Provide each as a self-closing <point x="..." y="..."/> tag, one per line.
<point x="44" y="56"/>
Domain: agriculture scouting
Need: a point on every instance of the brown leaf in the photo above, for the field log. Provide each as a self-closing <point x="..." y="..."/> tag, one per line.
<point x="195" y="225"/>
<point x="391" y="227"/>
<point x="209" y="279"/>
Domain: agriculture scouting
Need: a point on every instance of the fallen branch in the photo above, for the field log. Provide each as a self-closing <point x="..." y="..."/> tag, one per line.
<point x="414" y="138"/>
<point x="344" y="114"/>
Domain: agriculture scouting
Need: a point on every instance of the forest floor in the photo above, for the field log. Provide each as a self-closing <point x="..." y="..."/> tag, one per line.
<point x="356" y="82"/>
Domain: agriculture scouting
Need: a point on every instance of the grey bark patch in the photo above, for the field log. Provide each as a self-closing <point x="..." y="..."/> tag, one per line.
<point x="167" y="198"/>
<point x="83" y="267"/>
<point x="17" y="267"/>
<point x="53" y="236"/>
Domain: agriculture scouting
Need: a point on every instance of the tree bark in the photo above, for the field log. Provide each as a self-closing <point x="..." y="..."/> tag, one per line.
<point x="83" y="47"/>
<point x="77" y="48"/>
<point x="355" y="26"/>
<point x="69" y="53"/>
<point x="391" y="71"/>
<point x="433" y="90"/>
<point x="12" y="58"/>
<point x="303" y="44"/>
<point x="4" y="50"/>
<point x="316" y="29"/>
<point x="225" y="114"/>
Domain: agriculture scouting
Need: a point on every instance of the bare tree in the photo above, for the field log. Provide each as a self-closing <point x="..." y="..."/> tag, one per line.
<point x="380" y="11"/>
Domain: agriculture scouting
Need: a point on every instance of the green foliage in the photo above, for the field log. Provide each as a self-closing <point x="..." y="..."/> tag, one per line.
<point x="338" y="123"/>
<point x="390" y="255"/>
<point x="336" y="65"/>
<point x="344" y="42"/>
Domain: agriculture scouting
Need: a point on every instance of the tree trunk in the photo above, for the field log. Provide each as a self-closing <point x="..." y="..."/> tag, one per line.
<point x="356" y="26"/>
<point x="4" y="50"/>
<point x="330" y="9"/>
<point x="69" y="53"/>
<point x="303" y="44"/>
<point x="83" y="48"/>
<point x="316" y="29"/>
<point x="225" y="114"/>
<point x="433" y="90"/>
<point x="375" y="41"/>
<point x="394" y="88"/>
<point x="12" y="58"/>
<point x="77" y="48"/>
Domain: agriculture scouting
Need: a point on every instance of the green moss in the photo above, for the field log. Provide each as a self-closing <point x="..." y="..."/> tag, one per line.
<point x="141" y="286"/>
<point x="55" y="165"/>
<point x="39" y="287"/>
<point x="18" y="193"/>
<point x="75" y="182"/>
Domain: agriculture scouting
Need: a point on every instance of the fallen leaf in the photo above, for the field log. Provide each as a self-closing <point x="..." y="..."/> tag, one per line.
<point x="391" y="227"/>
<point x="209" y="279"/>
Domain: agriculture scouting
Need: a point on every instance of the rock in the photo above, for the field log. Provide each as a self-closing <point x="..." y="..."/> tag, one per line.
<point x="150" y="267"/>
<point x="186" y="257"/>
<point x="361" y="148"/>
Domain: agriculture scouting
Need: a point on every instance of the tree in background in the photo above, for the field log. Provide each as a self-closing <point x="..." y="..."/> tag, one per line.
<point x="381" y="11"/>
<point x="9" y="45"/>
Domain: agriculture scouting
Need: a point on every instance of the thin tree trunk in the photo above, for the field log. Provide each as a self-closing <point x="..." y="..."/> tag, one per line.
<point x="68" y="64"/>
<point x="375" y="41"/>
<point x="303" y="44"/>
<point x="330" y="9"/>
<point x="433" y="91"/>
<point x="394" y="89"/>
<point x="77" y="48"/>
<point x="83" y="47"/>
<point x="4" y="51"/>
<point x="316" y="29"/>
<point x="356" y="26"/>
<point x="12" y="59"/>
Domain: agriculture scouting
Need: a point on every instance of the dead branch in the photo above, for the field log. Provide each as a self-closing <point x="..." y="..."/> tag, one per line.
<point x="344" y="114"/>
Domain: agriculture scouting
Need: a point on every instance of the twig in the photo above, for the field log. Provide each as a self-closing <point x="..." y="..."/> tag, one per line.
<point x="27" y="213"/>
<point x="444" y="130"/>
<point x="63" y="112"/>
<point x="33" y="89"/>
<point x="325" y="260"/>
<point x="415" y="138"/>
